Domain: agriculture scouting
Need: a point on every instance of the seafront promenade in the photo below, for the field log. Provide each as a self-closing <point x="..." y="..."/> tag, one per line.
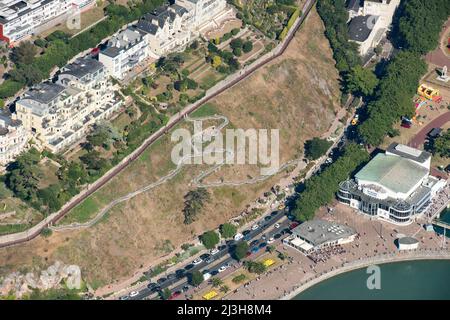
<point x="396" y="256"/>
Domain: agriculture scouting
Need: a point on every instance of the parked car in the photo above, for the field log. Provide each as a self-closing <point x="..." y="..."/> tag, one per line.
<point x="255" y="226"/>
<point x="205" y="256"/>
<point x="262" y="245"/>
<point x="277" y="225"/>
<point x="133" y="294"/>
<point x="197" y="261"/>
<point x="267" y="218"/>
<point x="161" y="280"/>
<point x="222" y="247"/>
<point x="274" y="213"/>
<point x="277" y="236"/>
<point x="271" y="240"/>
<point x="124" y="298"/>
<point x="246" y="232"/>
<point x="238" y="236"/>
<point x="206" y="275"/>
<point x="222" y="268"/>
<point x="214" y="251"/>
<point x="254" y="243"/>
<point x="180" y="273"/>
<point x="255" y="250"/>
<point x="189" y="266"/>
<point x="293" y="225"/>
<point x="152" y="285"/>
<point x="185" y="288"/>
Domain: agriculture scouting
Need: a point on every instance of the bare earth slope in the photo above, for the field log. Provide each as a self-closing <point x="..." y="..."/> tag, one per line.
<point x="298" y="93"/>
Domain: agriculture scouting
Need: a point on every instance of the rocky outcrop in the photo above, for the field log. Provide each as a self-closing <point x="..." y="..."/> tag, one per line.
<point x="53" y="277"/>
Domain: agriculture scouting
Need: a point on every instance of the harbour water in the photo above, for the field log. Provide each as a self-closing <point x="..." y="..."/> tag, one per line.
<point x="424" y="279"/>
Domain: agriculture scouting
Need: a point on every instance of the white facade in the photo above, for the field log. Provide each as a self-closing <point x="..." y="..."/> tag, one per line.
<point x="378" y="16"/>
<point x="19" y="19"/>
<point x="13" y="138"/>
<point x="201" y="12"/>
<point x="59" y="114"/>
<point x="124" y="51"/>
<point x="385" y="9"/>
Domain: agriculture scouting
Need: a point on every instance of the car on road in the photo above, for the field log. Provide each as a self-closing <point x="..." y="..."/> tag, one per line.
<point x="263" y="237"/>
<point x="255" y="226"/>
<point x="209" y="260"/>
<point x="124" y="298"/>
<point x="254" y="243"/>
<point x="214" y="251"/>
<point x="255" y="250"/>
<point x="246" y="232"/>
<point x="189" y="266"/>
<point x="222" y="247"/>
<point x="277" y="236"/>
<point x="293" y="225"/>
<point x="133" y="294"/>
<point x="274" y="213"/>
<point x="222" y="268"/>
<point x="262" y="245"/>
<point x="197" y="261"/>
<point x="171" y="276"/>
<point x="205" y="256"/>
<point x="161" y="280"/>
<point x="214" y="272"/>
<point x="271" y="240"/>
<point x="180" y="273"/>
<point x="267" y="218"/>
<point x="238" y="236"/>
<point x="152" y="285"/>
<point x="285" y="230"/>
<point x="276" y="225"/>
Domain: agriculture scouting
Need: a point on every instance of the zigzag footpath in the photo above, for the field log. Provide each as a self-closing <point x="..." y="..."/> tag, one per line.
<point x="230" y="81"/>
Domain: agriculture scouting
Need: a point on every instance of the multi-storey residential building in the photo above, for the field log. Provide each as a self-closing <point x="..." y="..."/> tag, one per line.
<point x="370" y="22"/>
<point x="395" y="186"/>
<point x="164" y="29"/>
<point x="124" y="51"/>
<point x="201" y="12"/>
<point x="13" y="138"/>
<point x="20" y="19"/>
<point x="58" y="114"/>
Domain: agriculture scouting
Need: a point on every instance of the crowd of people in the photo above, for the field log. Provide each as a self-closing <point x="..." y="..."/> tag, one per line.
<point x="441" y="198"/>
<point x="322" y="255"/>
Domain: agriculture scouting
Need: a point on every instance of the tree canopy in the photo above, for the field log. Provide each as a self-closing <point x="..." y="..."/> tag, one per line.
<point x="210" y="239"/>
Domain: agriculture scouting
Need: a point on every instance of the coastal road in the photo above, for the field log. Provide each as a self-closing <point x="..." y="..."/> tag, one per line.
<point x="223" y="257"/>
<point x="33" y="232"/>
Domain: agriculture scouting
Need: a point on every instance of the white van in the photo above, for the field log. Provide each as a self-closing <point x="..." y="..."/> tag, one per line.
<point x="238" y="236"/>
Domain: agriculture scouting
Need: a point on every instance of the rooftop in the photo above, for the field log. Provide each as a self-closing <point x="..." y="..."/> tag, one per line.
<point x="407" y="240"/>
<point x="360" y="27"/>
<point x="82" y="67"/>
<point x="122" y="40"/>
<point x="44" y="92"/>
<point x="395" y="173"/>
<point x="317" y="232"/>
<point x="408" y="152"/>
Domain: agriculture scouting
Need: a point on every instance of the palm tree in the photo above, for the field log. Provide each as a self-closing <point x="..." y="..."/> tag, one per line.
<point x="216" y="282"/>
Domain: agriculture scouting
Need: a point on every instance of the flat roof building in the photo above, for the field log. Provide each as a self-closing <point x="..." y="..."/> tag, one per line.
<point x="318" y="234"/>
<point x="395" y="185"/>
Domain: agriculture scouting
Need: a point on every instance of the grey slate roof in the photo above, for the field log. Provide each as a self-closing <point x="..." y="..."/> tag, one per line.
<point x="44" y="92"/>
<point x="82" y="66"/>
<point x="358" y="29"/>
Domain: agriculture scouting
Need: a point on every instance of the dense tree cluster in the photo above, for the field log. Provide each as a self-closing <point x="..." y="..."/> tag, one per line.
<point x="316" y="147"/>
<point x="194" y="201"/>
<point x="393" y="96"/>
<point x="441" y="145"/>
<point x="419" y="24"/>
<point x="228" y="230"/>
<point x="321" y="188"/>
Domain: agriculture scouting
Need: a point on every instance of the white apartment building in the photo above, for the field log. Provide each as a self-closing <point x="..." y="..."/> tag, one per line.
<point x="59" y="114"/>
<point x="201" y="12"/>
<point x="124" y="51"/>
<point x="369" y="23"/>
<point x="13" y="138"/>
<point x="165" y="29"/>
<point x="19" y="19"/>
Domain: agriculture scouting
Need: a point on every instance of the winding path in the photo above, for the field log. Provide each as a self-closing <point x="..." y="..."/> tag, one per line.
<point x="33" y="232"/>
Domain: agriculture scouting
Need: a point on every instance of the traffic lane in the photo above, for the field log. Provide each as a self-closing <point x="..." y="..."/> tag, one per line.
<point x="264" y="225"/>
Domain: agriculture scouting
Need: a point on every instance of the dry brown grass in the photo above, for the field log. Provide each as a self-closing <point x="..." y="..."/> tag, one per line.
<point x="298" y="93"/>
